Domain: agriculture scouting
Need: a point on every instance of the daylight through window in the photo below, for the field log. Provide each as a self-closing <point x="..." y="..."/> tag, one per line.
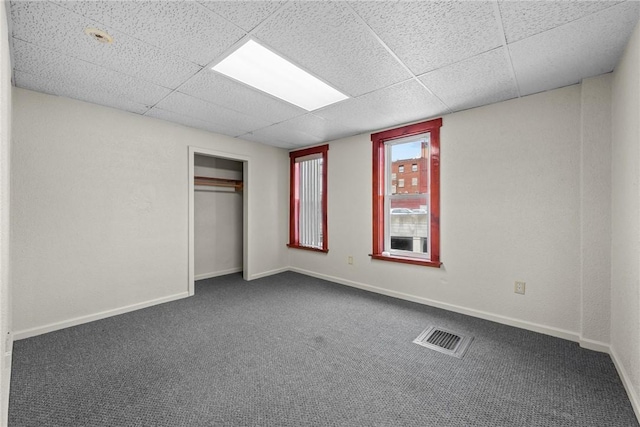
<point x="406" y="219"/>
<point x="308" y="199"/>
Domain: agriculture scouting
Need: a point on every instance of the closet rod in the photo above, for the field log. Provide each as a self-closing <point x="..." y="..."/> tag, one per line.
<point x="218" y="182"/>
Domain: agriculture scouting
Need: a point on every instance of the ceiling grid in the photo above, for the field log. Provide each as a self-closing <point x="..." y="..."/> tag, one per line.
<point x="503" y="39"/>
<point x="399" y="61"/>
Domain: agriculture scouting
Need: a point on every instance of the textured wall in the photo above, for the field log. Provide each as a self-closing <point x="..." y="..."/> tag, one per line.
<point x="625" y="267"/>
<point x="218" y="220"/>
<point x="100" y="208"/>
<point x="510" y="210"/>
<point x="5" y="304"/>
<point x="595" y="208"/>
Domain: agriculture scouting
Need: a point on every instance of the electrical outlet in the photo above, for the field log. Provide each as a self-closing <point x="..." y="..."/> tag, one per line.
<point x="519" y="288"/>
<point x="350" y="260"/>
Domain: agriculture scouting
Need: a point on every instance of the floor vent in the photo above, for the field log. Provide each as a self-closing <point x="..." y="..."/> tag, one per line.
<point x="444" y="341"/>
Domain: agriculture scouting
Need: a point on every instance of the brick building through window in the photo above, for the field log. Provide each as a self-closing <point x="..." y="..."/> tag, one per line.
<point x="412" y="173"/>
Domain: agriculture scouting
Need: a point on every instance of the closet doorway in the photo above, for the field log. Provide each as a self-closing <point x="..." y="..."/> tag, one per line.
<point x="218" y="242"/>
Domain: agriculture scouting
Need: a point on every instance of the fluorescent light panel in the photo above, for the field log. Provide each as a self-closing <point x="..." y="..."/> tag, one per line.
<point x="257" y="66"/>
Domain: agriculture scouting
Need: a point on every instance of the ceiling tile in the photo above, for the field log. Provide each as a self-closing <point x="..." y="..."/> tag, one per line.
<point x="320" y="129"/>
<point x="171" y="116"/>
<point x="580" y="49"/>
<point x="54" y="27"/>
<point x="187" y="29"/>
<point x="301" y="131"/>
<point x="406" y="102"/>
<point x="521" y="19"/>
<point x="455" y="47"/>
<point x="245" y="14"/>
<point x="69" y="89"/>
<point x="221" y="90"/>
<point x="326" y="39"/>
<point x="282" y="136"/>
<point x="268" y="140"/>
<point x="481" y="80"/>
<point x="356" y="114"/>
<point x="402" y="103"/>
<point x="428" y="35"/>
<point x="67" y="72"/>
<point x="216" y="115"/>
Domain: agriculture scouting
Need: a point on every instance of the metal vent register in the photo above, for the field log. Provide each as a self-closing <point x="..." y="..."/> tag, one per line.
<point x="444" y="341"/>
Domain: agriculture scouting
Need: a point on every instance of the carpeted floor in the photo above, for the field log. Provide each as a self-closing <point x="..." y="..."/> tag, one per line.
<point x="290" y="350"/>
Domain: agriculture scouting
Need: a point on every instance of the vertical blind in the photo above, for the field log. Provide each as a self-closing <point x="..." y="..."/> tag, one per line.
<point x="311" y="202"/>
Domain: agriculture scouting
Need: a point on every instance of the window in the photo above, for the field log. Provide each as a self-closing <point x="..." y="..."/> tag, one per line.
<point x="414" y="167"/>
<point x="401" y="168"/>
<point x="401" y="183"/>
<point x="414" y="237"/>
<point x="308" y="199"/>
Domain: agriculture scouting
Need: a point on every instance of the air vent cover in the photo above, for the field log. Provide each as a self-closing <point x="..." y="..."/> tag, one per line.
<point x="444" y="341"/>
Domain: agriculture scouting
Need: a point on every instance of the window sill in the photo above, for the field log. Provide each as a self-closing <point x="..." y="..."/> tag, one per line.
<point x="407" y="260"/>
<point x="306" y="248"/>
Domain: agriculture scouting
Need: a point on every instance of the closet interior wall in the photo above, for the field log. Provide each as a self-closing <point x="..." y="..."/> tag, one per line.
<point x="218" y="219"/>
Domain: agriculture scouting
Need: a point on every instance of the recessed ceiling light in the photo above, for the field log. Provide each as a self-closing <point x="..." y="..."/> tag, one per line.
<point x="259" y="67"/>
<point x="98" y="35"/>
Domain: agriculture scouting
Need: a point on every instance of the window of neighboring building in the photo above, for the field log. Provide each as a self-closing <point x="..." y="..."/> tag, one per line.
<point x="308" y="199"/>
<point x="401" y="168"/>
<point x="401" y="183"/>
<point x="412" y="237"/>
<point x="414" y="167"/>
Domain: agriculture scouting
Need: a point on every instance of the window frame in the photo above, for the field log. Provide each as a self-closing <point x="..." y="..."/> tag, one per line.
<point x="294" y="198"/>
<point x="378" y="189"/>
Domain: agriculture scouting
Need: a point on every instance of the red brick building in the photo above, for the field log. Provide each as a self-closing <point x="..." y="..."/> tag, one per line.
<point x="409" y="176"/>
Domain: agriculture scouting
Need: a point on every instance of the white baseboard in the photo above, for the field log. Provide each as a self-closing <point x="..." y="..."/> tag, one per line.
<point x="535" y="327"/>
<point x="269" y="273"/>
<point x="594" y="345"/>
<point x="27" y="333"/>
<point x="556" y="332"/>
<point x="218" y="273"/>
<point x="626" y="381"/>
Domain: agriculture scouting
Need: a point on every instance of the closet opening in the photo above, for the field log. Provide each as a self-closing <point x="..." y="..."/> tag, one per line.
<point x="217" y="215"/>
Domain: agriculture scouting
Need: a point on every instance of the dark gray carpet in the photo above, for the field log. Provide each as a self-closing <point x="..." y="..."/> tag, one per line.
<point x="291" y="350"/>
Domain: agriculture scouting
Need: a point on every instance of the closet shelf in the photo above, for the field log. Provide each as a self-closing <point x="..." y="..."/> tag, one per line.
<point x="218" y="182"/>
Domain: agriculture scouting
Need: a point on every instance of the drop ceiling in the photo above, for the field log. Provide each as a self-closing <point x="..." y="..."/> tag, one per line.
<point x="397" y="61"/>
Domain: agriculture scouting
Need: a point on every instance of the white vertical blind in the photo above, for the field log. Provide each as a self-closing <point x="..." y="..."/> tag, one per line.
<point x="310" y="220"/>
